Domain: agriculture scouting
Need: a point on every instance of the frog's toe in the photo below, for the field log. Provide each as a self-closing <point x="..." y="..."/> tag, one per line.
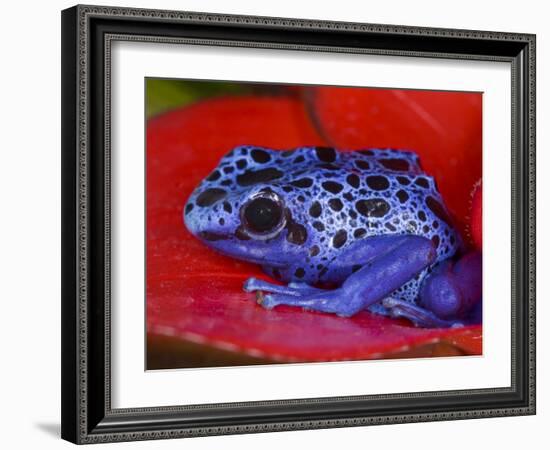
<point x="294" y="289"/>
<point x="304" y="288"/>
<point x="420" y="317"/>
<point x="255" y="284"/>
<point x="269" y="301"/>
<point x="251" y="284"/>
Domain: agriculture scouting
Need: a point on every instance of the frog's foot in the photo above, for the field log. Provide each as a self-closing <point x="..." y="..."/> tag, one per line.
<point x="330" y="301"/>
<point x="293" y="289"/>
<point x="420" y="317"/>
<point x="295" y="294"/>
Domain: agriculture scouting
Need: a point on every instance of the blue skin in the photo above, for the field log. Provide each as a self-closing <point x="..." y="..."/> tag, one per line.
<point x="370" y="224"/>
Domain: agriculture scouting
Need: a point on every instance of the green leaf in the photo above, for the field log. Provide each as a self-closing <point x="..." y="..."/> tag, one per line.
<point x="165" y="94"/>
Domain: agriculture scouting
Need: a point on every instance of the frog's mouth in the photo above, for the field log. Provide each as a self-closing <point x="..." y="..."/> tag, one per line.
<point x="249" y="250"/>
<point x="211" y="236"/>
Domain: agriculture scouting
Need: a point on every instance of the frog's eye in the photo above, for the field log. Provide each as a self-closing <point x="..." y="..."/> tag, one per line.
<point x="263" y="215"/>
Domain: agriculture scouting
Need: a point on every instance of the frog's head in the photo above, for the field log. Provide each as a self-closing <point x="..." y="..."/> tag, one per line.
<point x="246" y="218"/>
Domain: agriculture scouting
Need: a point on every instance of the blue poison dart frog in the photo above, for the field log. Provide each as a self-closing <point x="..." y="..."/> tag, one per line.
<point x="345" y="231"/>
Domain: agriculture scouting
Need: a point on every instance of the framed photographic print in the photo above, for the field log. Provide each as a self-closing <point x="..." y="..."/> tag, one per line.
<point x="277" y="224"/>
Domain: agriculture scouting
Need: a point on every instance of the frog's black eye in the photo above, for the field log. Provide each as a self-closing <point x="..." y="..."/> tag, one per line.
<point x="263" y="215"/>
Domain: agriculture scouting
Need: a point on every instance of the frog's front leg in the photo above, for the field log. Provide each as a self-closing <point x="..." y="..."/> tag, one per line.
<point x="384" y="272"/>
<point x="447" y="296"/>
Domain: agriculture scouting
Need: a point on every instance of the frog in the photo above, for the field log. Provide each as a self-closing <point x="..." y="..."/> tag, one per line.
<point x="339" y="232"/>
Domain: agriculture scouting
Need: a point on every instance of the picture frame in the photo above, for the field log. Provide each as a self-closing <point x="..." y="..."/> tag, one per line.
<point x="88" y="415"/>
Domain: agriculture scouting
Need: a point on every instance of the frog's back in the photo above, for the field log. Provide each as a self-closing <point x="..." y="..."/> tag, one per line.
<point x="368" y="193"/>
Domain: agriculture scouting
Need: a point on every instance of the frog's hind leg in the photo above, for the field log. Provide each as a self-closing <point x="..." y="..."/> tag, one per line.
<point x="448" y="296"/>
<point x="380" y="276"/>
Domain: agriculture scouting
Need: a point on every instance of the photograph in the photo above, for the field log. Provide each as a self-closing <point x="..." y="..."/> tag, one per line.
<point x="279" y="223"/>
<point x="291" y="223"/>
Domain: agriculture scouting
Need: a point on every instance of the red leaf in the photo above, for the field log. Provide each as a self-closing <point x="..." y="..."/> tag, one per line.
<point x="212" y="309"/>
<point x="195" y="295"/>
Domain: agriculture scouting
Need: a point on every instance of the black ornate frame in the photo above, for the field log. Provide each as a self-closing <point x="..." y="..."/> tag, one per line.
<point x="87" y="33"/>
